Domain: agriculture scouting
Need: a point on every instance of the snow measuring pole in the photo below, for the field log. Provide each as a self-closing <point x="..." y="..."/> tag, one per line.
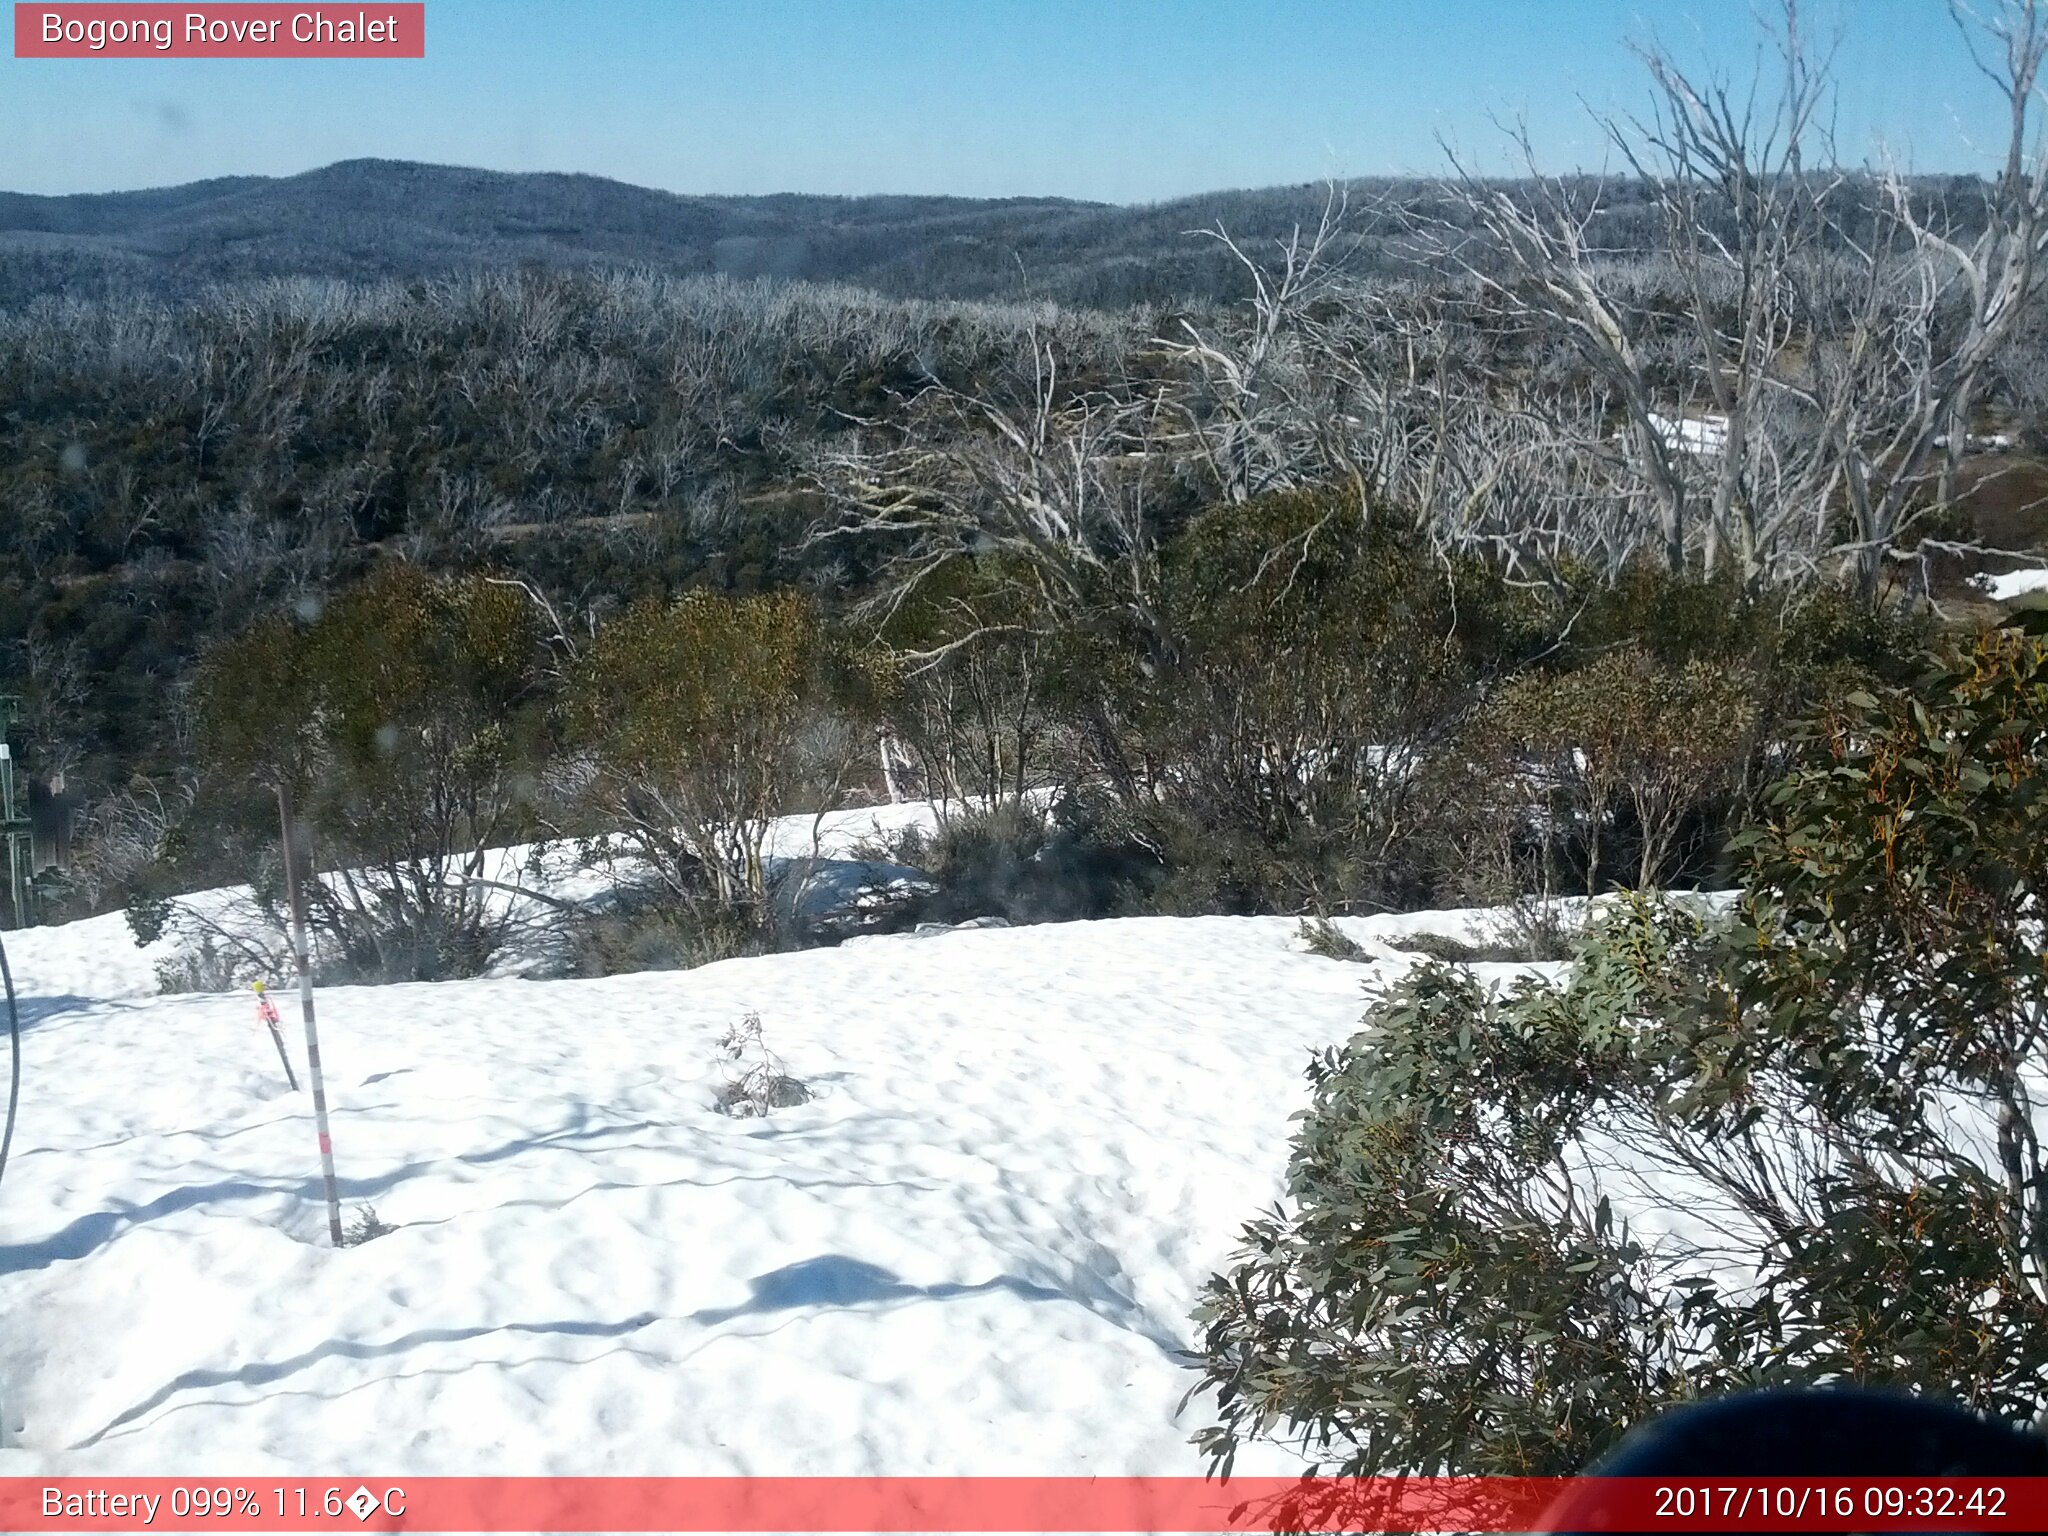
<point x="293" y="878"/>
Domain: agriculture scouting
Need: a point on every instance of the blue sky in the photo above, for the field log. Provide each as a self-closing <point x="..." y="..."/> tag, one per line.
<point x="1119" y="100"/>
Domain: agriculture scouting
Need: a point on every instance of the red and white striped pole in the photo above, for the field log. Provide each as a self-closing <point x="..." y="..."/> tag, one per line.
<point x="266" y="1015"/>
<point x="292" y="880"/>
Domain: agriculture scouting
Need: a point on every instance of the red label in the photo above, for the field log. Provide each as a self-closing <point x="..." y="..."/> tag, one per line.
<point x="1251" y="1506"/>
<point x="238" y="31"/>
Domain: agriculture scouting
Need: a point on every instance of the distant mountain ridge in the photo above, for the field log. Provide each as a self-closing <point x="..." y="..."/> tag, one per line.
<point x="365" y="220"/>
<point x="370" y="219"/>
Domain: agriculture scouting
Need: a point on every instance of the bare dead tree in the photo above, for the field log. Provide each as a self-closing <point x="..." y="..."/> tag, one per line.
<point x="1053" y="488"/>
<point x="123" y="833"/>
<point x="1813" y="369"/>
<point x="1942" y="366"/>
<point x="1249" y="419"/>
<point x="1548" y="277"/>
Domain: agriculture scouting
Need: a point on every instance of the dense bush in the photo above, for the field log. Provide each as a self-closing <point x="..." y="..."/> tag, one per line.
<point x="400" y="718"/>
<point x="1024" y="864"/>
<point x="1795" y="1143"/>
<point x="1348" y="720"/>
<point x="1329" y="716"/>
<point x="701" y="720"/>
<point x="1628" y="743"/>
<point x="1563" y="766"/>
<point x="1315" y="663"/>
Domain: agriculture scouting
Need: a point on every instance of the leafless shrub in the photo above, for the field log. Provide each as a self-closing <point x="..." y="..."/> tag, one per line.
<point x="205" y="966"/>
<point x="760" y="1084"/>
<point x="122" y="834"/>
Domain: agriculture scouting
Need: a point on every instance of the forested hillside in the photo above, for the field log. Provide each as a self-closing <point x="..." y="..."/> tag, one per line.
<point x="1058" y="485"/>
<point x="172" y="470"/>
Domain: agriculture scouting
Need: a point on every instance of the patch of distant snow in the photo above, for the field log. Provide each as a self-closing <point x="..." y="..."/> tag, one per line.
<point x="1692" y="434"/>
<point x="2024" y="589"/>
<point x="1987" y="442"/>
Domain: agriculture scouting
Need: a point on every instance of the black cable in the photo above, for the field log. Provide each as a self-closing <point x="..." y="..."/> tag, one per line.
<point x="14" y="1057"/>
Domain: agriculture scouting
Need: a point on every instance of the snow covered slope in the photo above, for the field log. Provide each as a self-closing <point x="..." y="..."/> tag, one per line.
<point x="2018" y="589"/>
<point x="973" y="1252"/>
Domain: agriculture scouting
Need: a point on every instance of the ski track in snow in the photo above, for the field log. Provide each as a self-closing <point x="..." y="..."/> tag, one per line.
<point x="974" y="1252"/>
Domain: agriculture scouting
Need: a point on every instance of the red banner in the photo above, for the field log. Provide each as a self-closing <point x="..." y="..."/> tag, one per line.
<point x="236" y="31"/>
<point x="1049" y="1504"/>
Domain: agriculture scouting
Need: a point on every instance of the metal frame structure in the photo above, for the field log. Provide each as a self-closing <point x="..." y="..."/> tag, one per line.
<point x="15" y="827"/>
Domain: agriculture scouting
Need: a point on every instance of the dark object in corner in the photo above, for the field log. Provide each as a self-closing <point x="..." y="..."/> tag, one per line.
<point x="1804" y="1433"/>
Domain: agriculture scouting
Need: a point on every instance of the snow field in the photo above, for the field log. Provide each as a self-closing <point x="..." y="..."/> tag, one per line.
<point x="973" y="1253"/>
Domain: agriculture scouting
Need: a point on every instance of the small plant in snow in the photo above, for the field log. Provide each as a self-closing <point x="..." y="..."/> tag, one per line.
<point x="1529" y="933"/>
<point x="1442" y="947"/>
<point x="365" y="1226"/>
<point x="761" y="1084"/>
<point x="1325" y="938"/>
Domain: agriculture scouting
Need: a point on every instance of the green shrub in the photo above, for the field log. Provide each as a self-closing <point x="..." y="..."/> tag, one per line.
<point x="1315" y="660"/>
<point x="400" y="716"/>
<point x="1793" y="1144"/>
<point x="1427" y="1301"/>
<point x="1624" y="750"/>
<point x="1688" y="693"/>
<point x="702" y="720"/>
